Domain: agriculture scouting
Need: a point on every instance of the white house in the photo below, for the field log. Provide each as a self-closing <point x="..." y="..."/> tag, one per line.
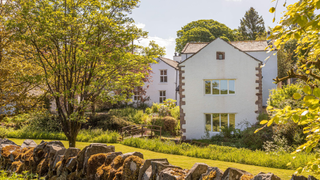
<point x="223" y="84"/>
<point x="164" y="82"/>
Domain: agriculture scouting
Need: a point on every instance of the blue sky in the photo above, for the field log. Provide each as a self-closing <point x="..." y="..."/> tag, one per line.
<point x="163" y="18"/>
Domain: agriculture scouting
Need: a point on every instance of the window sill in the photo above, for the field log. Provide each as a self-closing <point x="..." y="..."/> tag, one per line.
<point x="219" y="94"/>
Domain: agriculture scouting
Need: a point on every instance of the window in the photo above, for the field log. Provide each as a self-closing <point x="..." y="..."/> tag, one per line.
<point x="214" y="122"/>
<point x="163" y="75"/>
<point x="162" y="96"/>
<point x="217" y="87"/>
<point x="220" y="55"/>
<point x="136" y="96"/>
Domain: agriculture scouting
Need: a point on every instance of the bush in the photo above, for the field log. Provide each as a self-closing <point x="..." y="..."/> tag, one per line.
<point x="278" y="145"/>
<point x="128" y="114"/>
<point x="107" y="122"/>
<point x="3" y="132"/>
<point x="253" y="140"/>
<point x="167" y="123"/>
<point x="175" y="112"/>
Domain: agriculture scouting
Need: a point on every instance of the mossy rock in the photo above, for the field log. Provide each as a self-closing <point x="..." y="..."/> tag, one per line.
<point x="17" y="167"/>
<point x="131" y="167"/>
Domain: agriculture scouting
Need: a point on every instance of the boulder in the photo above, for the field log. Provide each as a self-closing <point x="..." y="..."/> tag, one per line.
<point x="295" y="177"/>
<point x="212" y="173"/>
<point x="266" y="176"/>
<point x="42" y="168"/>
<point x="196" y="171"/>
<point x="88" y="151"/>
<point x="139" y="154"/>
<point x="71" y="164"/>
<point x="146" y="168"/>
<point x="312" y="178"/>
<point x="17" y="167"/>
<point x="158" y="166"/>
<point x="6" y="142"/>
<point x="59" y="158"/>
<point x="28" y="143"/>
<point x="46" y="147"/>
<point x="102" y="171"/>
<point x="172" y="174"/>
<point x="71" y="152"/>
<point x="236" y="174"/>
<point x="131" y="167"/>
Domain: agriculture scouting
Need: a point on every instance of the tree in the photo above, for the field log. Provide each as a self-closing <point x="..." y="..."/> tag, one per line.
<point x="85" y="51"/>
<point x="202" y="31"/>
<point x="16" y="89"/>
<point x="251" y="25"/>
<point x="301" y="23"/>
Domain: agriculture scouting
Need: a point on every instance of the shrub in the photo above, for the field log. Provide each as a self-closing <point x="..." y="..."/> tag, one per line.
<point x="278" y="145"/>
<point x="175" y="112"/>
<point x="3" y="132"/>
<point x="129" y="114"/>
<point x="167" y="123"/>
<point x="44" y="121"/>
<point x="253" y="140"/>
<point x="107" y="122"/>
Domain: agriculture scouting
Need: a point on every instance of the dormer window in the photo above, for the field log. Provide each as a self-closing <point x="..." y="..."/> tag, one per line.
<point x="220" y="55"/>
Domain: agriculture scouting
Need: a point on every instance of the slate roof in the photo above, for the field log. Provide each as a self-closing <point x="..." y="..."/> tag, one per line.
<point x="191" y="48"/>
<point x="170" y="62"/>
<point x="246" y="46"/>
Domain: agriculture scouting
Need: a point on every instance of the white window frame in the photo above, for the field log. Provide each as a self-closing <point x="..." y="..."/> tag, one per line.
<point x="161" y="96"/>
<point x="219" y="120"/>
<point x="164" y="75"/>
<point x="228" y="88"/>
<point x="136" y="96"/>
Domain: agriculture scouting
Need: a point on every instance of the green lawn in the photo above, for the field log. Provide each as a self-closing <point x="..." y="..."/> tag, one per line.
<point x="187" y="162"/>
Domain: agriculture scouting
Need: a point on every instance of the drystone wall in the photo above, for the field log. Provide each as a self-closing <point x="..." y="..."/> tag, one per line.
<point x="100" y="162"/>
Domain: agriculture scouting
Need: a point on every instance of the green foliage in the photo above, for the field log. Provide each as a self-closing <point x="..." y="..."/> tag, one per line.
<point x="287" y="58"/>
<point x="251" y="25"/>
<point x="13" y="176"/>
<point x="168" y="124"/>
<point x="202" y="31"/>
<point x="90" y="135"/>
<point x="282" y="97"/>
<point x="228" y="131"/>
<point x="82" y="49"/>
<point x="107" y="122"/>
<point x="222" y="153"/>
<point x="175" y="112"/>
<point x="253" y="140"/>
<point x="129" y="114"/>
<point x="3" y="132"/>
<point x="279" y="145"/>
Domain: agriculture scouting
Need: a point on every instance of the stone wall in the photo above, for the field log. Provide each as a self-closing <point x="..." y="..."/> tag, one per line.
<point x="100" y="162"/>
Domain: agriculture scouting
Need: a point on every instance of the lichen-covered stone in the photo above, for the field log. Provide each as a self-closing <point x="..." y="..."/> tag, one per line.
<point x="17" y="167"/>
<point x="28" y="143"/>
<point x="235" y="174"/>
<point x="196" y="171"/>
<point x="42" y="168"/>
<point x="212" y="173"/>
<point x="295" y="177"/>
<point x="71" y="152"/>
<point x="158" y="166"/>
<point x="172" y="174"/>
<point x="266" y="176"/>
<point x="147" y="167"/>
<point x="87" y="152"/>
<point x="131" y="167"/>
<point x="139" y="154"/>
<point x="71" y="164"/>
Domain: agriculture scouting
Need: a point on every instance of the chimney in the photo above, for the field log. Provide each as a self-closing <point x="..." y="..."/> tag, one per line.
<point x="177" y="57"/>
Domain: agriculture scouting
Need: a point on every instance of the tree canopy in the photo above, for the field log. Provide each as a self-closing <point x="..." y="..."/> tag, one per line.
<point x="300" y="23"/>
<point x="251" y="25"/>
<point x="202" y="31"/>
<point x="85" y="51"/>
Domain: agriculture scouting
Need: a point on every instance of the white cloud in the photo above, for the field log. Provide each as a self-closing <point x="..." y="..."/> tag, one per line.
<point x="140" y="25"/>
<point x="168" y="43"/>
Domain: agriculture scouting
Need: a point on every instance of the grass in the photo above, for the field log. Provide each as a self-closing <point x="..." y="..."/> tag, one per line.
<point x="187" y="162"/>
<point x="223" y="153"/>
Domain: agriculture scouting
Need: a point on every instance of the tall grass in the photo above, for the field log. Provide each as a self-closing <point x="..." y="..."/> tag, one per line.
<point x="94" y="135"/>
<point x="223" y="153"/>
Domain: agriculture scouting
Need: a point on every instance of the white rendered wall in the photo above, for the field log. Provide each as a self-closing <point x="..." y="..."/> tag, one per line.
<point x="155" y="85"/>
<point x="237" y="65"/>
<point x="269" y="72"/>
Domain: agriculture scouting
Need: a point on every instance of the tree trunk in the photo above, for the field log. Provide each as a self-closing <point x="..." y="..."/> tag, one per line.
<point x="72" y="139"/>
<point x="93" y="109"/>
